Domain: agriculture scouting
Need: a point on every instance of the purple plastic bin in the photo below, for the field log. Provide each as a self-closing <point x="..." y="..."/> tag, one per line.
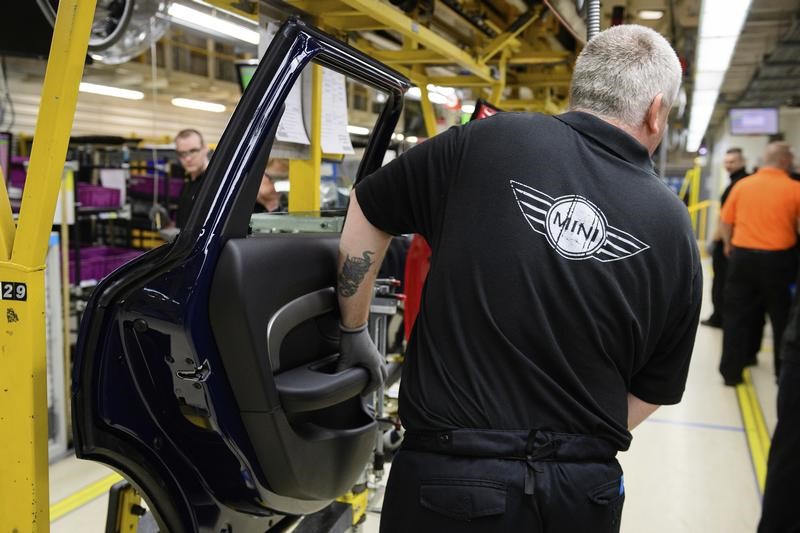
<point x="99" y="261"/>
<point x="95" y="196"/>
<point x="144" y="185"/>
<point x="17" y="172"/>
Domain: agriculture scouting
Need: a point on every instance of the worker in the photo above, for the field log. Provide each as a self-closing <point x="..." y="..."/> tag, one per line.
<point x="269" y="200"/>
<point x="560" y="309"/>
<point x="192" y="152"/>
<point x="780" y="512"/>
<point x="734" y="164"/>
<point x="759" y="224"/>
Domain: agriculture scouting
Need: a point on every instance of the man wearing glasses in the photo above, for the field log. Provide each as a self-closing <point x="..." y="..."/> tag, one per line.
<point x="193" y="154"/>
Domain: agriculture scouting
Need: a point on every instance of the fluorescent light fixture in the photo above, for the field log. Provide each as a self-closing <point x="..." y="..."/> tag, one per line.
<point x="106" y="90"/>
<point x="714" y="53"/>
<point x="357" y="130"/>
<point x="398" y="136"/>
<point x="209" y="23"/>
<point x="436" y="94"/>
<point x="468" y="108"/>
<point x="721" y="23"/>
<point x="437" y="98"/>
<point x="412" y="139"/>
<point x="651" y="14"/>
<point x="198" y="104"/>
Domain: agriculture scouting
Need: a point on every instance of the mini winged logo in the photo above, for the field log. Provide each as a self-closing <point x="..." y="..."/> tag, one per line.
<point x="574" y="226"/>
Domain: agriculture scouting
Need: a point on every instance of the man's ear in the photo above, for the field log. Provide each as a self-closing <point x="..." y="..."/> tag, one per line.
<point x="653" y="116"/>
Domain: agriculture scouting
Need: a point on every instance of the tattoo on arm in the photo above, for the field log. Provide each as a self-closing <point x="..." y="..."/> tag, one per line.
<point x="353" y="271"/>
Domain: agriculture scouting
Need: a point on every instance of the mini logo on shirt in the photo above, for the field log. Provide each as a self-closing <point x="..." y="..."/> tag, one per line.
<point x="574" y="226"/>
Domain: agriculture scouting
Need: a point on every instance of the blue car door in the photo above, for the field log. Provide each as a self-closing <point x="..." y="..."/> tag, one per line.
<point x="204" y="369"/>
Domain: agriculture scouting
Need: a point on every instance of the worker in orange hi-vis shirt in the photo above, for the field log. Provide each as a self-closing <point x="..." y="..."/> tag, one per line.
<point x="759" y="224"/>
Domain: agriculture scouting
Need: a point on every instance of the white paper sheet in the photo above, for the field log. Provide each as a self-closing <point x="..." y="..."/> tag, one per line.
<point x="335" y="137"/>
<point x="291" y="128"/>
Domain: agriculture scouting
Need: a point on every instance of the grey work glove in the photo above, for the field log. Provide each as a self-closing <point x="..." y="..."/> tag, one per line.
<point x="357" y="349"/>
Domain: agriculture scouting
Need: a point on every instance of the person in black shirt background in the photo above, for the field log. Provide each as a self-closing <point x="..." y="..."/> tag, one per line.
<point x="193" y="155"/>
<point x="560" y="309"/>
<point x="268" y="200"/>
<point x="780" y="512"/>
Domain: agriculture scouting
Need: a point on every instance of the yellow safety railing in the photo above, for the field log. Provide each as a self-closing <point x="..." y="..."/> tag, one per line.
<point x="698" y="212"/>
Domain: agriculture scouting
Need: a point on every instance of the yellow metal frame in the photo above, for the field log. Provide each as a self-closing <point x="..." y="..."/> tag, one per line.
<point x="24" y="494"/>
<point x="358" y="502"/>
<point x="514" y="45"/>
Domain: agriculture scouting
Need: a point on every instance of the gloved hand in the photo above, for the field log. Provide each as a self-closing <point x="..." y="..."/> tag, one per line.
<point x="357" y="349"/>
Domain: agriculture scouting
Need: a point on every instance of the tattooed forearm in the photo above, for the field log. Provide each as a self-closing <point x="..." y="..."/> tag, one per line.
<point x="353" y="271"/>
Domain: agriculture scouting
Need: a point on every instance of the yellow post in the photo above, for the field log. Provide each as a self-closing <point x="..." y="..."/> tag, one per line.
<point x="7" y="228"/>
<point x="304" y="175"/>
<point x="694" y="191"/>
<point x="24" y="491"/>
<point x="428" y="115"/>
<point x="500" y="86"/>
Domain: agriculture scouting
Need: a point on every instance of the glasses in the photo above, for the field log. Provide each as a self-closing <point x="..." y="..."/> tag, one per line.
<point x="187" y="153"/>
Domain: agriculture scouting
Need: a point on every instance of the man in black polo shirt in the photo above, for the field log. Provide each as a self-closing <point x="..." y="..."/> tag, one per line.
<point x="192" y="152"/>
<point x="560" y="308"/>
<point x="734" y="164"/>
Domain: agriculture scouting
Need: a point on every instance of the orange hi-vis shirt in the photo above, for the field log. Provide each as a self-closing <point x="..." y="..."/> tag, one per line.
<point x="763" y="209"/>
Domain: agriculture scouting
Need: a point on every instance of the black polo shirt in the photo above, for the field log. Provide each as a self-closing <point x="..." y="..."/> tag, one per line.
<point x="564" y="274"/>
<point x="186" y="200"/>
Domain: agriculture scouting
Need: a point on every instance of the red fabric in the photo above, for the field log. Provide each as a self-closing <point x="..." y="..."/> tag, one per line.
<point x="418" y="262"/>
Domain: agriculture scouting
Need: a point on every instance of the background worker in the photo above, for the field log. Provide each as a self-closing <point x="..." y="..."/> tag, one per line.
<point x="268" y="199"/>
<point x="759" y="225"/>
<point x="553" y="320"/>
<point x="192" y="152"/>
<point x="734" y="164"/>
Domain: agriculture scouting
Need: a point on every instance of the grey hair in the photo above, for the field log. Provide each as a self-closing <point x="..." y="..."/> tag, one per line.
<point x="621" y="70"/>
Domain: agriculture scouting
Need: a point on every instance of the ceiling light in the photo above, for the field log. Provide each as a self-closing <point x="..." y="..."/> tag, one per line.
<point x="412" y="139"/>
<point x="198" y="104"/>
<point x="209" y="23"/>
<point x="357" y="130"/>
<point x="398" y="136"/>
<point x="721" y="23"/>
<point x="651" y="14"/>
<point x="105" y="90"/>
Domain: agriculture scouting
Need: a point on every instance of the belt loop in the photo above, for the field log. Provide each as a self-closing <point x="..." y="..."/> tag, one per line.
<point x="530" y="476"/>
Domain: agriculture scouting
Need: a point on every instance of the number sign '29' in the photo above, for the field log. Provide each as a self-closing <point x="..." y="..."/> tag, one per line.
<point x="10" y="290"/>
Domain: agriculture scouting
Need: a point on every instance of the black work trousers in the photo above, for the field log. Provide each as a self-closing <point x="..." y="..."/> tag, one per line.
<point x="757" y="281"/>
<point x="720" y="265"/>
<point x="780" y="512"/>
<point x="490" y="481"/>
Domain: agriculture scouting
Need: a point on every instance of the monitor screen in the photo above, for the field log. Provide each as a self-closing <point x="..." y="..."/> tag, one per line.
<point x="245" y="72"/>
<point x="754" y="121"/>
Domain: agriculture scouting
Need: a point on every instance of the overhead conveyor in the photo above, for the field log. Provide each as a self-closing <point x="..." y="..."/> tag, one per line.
<point x="482" y="62"/>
